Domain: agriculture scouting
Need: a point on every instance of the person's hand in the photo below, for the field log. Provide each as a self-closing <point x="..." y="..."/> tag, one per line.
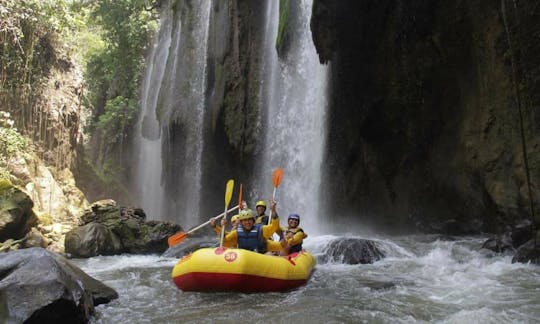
<point x="223" y="221"/>
<point x="213" y="222"/>
<point x="289" y="235"/>
<point x="283" y="242"/>
<point x="273" y="204"/>
<point x="244" y="204"/>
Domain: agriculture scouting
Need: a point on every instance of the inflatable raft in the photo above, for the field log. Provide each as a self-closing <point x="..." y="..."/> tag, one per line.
<point x="227" y="269"/>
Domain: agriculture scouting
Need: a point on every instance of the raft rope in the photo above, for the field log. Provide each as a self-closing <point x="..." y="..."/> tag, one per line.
<point x="522" y="131"/>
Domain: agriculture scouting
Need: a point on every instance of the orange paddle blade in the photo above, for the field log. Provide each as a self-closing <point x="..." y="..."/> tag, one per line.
<point x="277" y="176"/>
<point x="177" y="238"/>
<point x="240" y="198"/>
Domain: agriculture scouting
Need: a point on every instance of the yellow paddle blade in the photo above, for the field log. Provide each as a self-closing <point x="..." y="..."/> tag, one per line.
<point x="277" y="176"/>
<point x="228" y="192"/>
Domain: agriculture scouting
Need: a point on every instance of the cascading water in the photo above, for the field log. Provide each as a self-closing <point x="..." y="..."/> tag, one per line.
<point x="169" y="141"/>
<point x="296" y="102"/>
<point x="148" y="134"/>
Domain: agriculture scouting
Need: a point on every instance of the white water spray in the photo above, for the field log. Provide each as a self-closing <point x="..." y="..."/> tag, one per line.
<point x="174" y="88"/>
<point x="148" y="134"/>
<point x="296" y="105"/>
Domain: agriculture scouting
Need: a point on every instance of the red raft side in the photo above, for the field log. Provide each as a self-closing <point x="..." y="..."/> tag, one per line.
<point x="237" y="270"/>
<point x="201" y="281"/>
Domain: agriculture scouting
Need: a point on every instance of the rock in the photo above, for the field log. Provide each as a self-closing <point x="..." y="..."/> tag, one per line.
<point x="528" y="252"/>
<point x="11" y="245"/>
<point x="499" y="244"/>
<point x="91" y="240"/>
<point x="521" y="233"/>
<point x="34" y="238"/>
<point x="352" y="251"/>
<point x="113" y="224"/>
<point x="38" y="286"/>
<point x="16" y="215"/>
<point x="512" y="239"/>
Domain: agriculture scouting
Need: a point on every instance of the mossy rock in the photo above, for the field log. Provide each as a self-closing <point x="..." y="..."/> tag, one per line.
<point x="45" y="219"/>
<point x="5" y="184"/>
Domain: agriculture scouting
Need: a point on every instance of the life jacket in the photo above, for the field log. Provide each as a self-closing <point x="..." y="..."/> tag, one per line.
<point x="297" y="247"/>
<point x="262" y="219"/>
<point x="252" y="240"/>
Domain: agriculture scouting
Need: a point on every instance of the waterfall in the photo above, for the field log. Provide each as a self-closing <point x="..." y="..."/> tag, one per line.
<point x="170" y="130"/>
<point x="149" y="189"/>
<point x="169" y="135"/>
<point x="296" y="102"/>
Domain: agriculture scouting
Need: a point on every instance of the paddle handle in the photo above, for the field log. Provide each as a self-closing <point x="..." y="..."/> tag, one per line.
<point x="208" y="222"/>
<point x="273" y="198"/>
<point x="222" y="230"/>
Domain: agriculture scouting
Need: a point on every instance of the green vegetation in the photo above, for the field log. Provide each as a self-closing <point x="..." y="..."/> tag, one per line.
<point x="11" y="142"/>
<point x="284" y="10"/>
<point x="43" y="38"/>
<point x="31" y="33"/>
<point x="114" y="65"/>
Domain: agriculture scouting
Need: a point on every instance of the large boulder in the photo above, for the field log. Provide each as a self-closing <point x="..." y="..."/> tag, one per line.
<point x="352" y="251"/>
<point x="16" y="215"/>
<point x="92" y="239"/>
<point x="528" y="252"/>
<point x="39" y="286"/>
<point x="108" y="229"/>
<point x="511" y="239"/>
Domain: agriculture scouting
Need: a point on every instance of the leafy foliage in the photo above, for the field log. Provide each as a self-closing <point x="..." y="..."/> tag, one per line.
<point x="114" y="69"/>
<point x="11" y="142"/>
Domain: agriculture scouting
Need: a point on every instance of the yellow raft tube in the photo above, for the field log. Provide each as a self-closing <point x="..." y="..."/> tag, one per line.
<point x="228" y="269"/>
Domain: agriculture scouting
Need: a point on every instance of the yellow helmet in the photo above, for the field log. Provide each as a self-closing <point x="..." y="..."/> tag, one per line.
<point x="246" y="214"/>
<point x="234" y="218"/>
<point x="260" y="203"/>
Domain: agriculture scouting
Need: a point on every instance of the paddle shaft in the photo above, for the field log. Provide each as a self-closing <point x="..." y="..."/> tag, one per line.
<point x="222" y="231"/>
<point x="273" y="198"/>
<point x="228" y="195"/>
<point x="208" y="222"/>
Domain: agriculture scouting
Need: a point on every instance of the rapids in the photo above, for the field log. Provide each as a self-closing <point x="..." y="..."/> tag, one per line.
<point x="422" y="279"/>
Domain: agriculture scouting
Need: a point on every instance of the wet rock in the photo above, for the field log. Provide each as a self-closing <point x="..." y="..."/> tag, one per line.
<point x="39" y="286"/>
<point x="522" y="233"/>
<point x="529" y="252"/>
<point x="352" y="251"/>
<point x="117" y="230"/>
<point x="92" y="239"/>
<point x="499" y="244"/>
<point x="16" y="215"/>
<point x="512" y="239"/>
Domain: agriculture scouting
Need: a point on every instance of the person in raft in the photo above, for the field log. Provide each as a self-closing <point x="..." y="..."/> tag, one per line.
<point x="217" y="228"/>
<point x="294" y="235"/>
<point x="251" y="236"/>
<point x="234" y="221"/>
<point x="262" y="218"/>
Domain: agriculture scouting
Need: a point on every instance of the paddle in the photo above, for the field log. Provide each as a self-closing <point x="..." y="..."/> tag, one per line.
<point x="181" y="236"/>
<point x="240" y="199"/>
<point x="228" y="196"/>
<point x="277" y="176"/>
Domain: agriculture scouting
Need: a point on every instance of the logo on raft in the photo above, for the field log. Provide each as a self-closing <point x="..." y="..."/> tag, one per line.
<point x="230" y="256"/>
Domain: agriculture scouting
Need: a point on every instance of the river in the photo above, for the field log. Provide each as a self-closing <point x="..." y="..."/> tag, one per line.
<point x="422" y="279"/>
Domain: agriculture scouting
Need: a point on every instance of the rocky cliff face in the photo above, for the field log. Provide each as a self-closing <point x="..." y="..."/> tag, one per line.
<point x="425" y="125"/>
<point x="232" y="128"/>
